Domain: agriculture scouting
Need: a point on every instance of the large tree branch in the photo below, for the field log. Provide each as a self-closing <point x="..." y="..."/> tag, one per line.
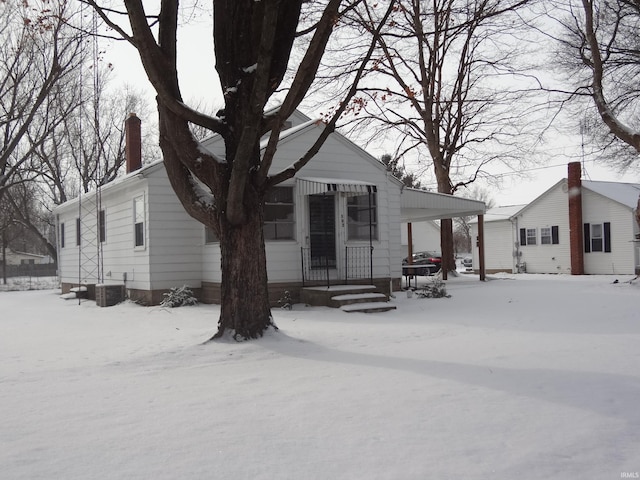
<point x="616" y="127"/>
<point x="331" y="125"/>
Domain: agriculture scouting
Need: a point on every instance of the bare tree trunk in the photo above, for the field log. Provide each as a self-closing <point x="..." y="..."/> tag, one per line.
<point x="4" y="260"/>
<point x="446" y="240"/>
<point x="446" y="225"/>
<point x="244" y="274"/>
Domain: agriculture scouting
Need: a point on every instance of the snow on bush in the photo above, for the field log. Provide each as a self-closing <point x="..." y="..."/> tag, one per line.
<point x="179" y="296"/>
<point x="436" y="289"/>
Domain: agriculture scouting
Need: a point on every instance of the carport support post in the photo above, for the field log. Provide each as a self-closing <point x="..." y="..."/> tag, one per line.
<point x="481" y="246"/>
<point x="409" y="244"/>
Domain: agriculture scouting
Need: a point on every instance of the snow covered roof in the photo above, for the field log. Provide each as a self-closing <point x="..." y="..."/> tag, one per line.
<point x="497" y="214"/>
<point x="115" y="183"/>
<point x="625" y="193"/>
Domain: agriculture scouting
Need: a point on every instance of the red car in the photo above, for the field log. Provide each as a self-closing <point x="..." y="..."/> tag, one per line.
<point x="432" y="262"/>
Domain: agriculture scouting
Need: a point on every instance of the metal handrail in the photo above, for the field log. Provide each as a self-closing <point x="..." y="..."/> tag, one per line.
<point x="358" y="264"/>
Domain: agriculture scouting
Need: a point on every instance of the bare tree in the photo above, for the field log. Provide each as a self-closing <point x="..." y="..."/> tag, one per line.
<point x="83" y="148"/>
<point x="446" y="89"/>
<point x="253" y="41"/>
<point x="399" y="171"/>
<point x="604" y="39"/>
<point x="40" y="52"/>
<point x="462" y="227"/>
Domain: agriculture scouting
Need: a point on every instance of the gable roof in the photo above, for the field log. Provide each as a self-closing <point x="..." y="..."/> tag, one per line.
<point x="116" y="183"/>
<point x="624" y="193"/>
<point x="497" y="214"/>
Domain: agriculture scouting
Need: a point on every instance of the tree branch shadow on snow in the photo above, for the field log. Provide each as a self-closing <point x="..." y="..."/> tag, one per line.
<point x="606" y="394"/>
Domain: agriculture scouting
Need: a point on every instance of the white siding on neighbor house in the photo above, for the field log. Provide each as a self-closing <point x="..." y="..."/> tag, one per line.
<point x="17" y="258"/>
<point x="425" y="235"/>
<point x="622" y="258"/>
<point x="548" y="210"/>
<point x="175" y="239"/>
<point x="499" y="246"/>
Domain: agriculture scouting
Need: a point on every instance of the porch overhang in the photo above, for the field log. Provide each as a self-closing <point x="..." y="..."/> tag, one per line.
<point x="420" y="205"/>
<point x="318" y="185"/>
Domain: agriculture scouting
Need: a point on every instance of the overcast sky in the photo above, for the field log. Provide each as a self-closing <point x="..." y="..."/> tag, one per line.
<point x="200" y="86"/>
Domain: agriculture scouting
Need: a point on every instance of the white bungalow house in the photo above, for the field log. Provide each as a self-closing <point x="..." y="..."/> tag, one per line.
<point x="338" y="221"/>
<point x="575" y="227"/>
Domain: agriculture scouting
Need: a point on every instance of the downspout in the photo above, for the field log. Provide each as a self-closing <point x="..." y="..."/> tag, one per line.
<point x="515" y="262"/>
<point x="58" y="255"/>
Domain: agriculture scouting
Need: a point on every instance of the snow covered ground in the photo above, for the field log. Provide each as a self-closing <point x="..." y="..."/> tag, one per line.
<point x="520" y="377"/>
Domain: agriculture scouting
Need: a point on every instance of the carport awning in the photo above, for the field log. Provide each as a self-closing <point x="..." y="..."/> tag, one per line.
<point x="316" y="185"/>
<point x="420" y="205"/>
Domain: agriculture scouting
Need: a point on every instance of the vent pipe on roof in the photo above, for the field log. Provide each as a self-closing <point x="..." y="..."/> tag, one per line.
<point x="133" y="143"/>
<point x="576" y="245"/>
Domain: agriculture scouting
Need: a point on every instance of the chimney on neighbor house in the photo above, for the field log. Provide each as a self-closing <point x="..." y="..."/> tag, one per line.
<point x="574" y="191"/>
<point x="133" y="143"/>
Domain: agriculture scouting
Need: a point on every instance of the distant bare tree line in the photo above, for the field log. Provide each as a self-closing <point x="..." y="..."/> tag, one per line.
<point x="61" y="127"/>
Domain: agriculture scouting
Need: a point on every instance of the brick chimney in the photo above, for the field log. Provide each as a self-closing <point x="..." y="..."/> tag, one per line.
<point x="133" y="143"/>
<point x="575" y="218"/>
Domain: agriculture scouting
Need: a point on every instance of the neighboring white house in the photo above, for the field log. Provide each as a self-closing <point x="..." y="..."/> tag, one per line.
<point x="14" y="257"/>
<point x="317" y="225"/>
<point x="425" y="235"/>
<point x="536" y="238"/>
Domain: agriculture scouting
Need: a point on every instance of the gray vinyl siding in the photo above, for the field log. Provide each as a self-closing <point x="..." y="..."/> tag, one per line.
<point x="175" y="239"/>
<point x="119" y="256"/>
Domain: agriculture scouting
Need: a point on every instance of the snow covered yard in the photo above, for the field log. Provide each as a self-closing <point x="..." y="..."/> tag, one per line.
<point x="522" y="377"/>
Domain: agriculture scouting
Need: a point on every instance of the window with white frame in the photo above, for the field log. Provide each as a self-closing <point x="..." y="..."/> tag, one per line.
<point x="138" y="221"/>
<point x="548" y="236"/>
<point x="597" y="240"/>
<point x="62" y="235"/>
<point x="362" y="217"/>
<point x="279" y="214"/>
<point x="532" y="236"/>
<point x="597" y="237"/>
<point x="545" y="236"/>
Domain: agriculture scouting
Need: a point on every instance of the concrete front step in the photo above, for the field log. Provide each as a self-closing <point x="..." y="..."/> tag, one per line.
<point x="371" y="307"/>
<point x="321" y="296"/>
<point x="351" y="298"/>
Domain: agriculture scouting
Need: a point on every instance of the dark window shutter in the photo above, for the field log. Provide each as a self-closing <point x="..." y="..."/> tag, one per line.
<point x="555" y="235"/>
<point x="587" y="238"/>
<point x="523" y="236"/>
<point x="607" y="236"/>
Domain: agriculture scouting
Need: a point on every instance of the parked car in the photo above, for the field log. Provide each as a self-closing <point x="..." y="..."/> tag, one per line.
<point x="431" y="262"/>
<point x="467" y="262"/>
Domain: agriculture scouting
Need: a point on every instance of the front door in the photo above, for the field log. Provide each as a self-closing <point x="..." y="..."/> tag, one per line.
<point x="322" y="231"/>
